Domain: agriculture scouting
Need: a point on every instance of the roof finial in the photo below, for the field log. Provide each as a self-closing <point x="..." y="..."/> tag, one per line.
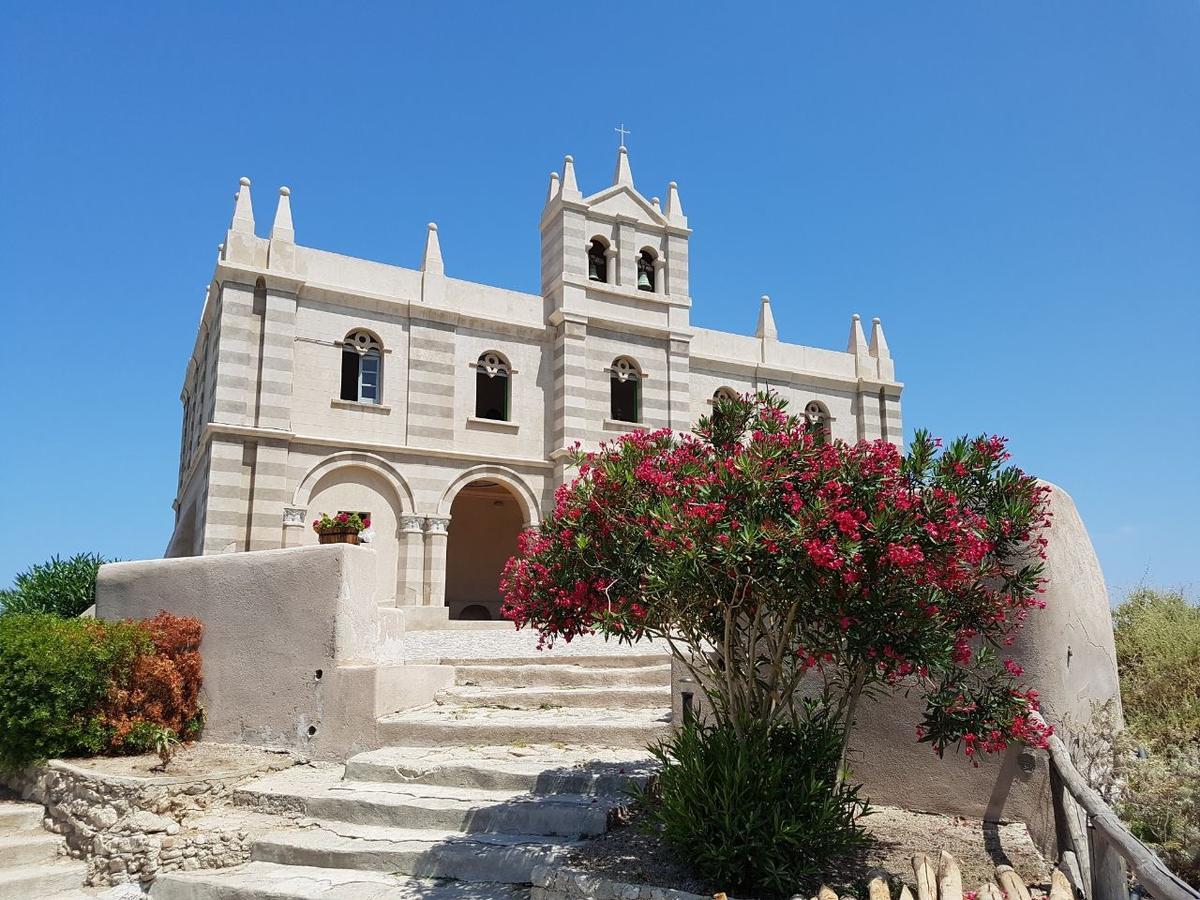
<point x="243" y="209"/>
<point x="766" y="321"/>
<point x="623" y="175"/>
<point x="570" y="190"/>
<point x="554" y="187"/>
<point x="674" y="206"/>
<point x="282" y="230"/>
<point x="858" y="341"/>
<point x="432" y="261"/>
<point x="879" y="346"/>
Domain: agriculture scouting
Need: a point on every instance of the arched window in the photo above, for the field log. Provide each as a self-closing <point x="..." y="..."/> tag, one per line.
<point x="362" y="357"/>
<point x="645" y="270"/>
<point x="598" y="260"/>
<point x="625" y="387"/>
<point x="724" y="393"/>
<point x="818" y="420"/>
<point x="491" y="387"/>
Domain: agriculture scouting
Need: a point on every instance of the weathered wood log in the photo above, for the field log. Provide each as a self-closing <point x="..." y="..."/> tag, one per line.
<point x="988" y="891"/>
<point x="1060" y="887"/>
<point x="927" y="886"/>
<point x="905" y="893"/>
<point x="950" y="885"/>
<point x="1011" y="884"/>
<point x="877" y="885"/>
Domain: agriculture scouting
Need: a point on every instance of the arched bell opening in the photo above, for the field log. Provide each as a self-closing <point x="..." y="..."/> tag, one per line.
<point x="485" y="520"/>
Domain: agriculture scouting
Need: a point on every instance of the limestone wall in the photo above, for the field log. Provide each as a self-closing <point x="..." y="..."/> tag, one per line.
<point x="131" y="829"/>
<point x="297" y="652"/>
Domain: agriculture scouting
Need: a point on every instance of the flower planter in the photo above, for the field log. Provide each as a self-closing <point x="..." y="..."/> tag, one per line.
<point x="338" y="536"/>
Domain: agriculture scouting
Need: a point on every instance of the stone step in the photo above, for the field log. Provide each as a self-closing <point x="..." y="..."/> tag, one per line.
<point x="556" y="697"/>
<point x="561" y="675"/>
<point x="424" y="854"/>
<point x="320" y="793"/>
<point x="434" y="726"/>
<point x="539" y="769"/>
<point x="551" y="658"/>
<point x="46" y="880"/>
<point x="17" y="849"/>
<point x="19" y="816"/>
<point x="270" y="881"/>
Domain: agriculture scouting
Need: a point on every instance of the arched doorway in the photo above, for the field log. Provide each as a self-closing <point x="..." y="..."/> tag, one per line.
<point x="485" y="520"/>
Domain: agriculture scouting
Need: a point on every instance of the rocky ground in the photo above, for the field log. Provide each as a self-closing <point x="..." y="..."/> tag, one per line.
<point x="198" y="760"/>
<point x="632" y="853"/>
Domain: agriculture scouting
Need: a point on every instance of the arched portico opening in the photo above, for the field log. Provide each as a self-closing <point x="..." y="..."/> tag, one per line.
<point x="485" y="519"/>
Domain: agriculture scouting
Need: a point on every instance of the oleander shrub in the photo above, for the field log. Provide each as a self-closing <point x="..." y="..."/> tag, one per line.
<point x="761" y="812"/>
<point x="60" y="587"/>
<point x="78" y="687"/>
<point x="55" y="676"/>
<point x="1158" y="654"/>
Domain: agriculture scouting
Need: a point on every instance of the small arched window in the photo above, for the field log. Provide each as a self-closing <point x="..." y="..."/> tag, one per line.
<point x="724" y="393"/>
<point x="362" y="365"/>
<point x="598" y="260"/>
<point x="645" y="270"/>
<point x="625" y="386"/>
<point x="817" y="417"/>
<point x="492" y="387"/>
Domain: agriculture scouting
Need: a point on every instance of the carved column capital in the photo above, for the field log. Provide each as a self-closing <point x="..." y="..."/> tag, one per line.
<point x="437" y="524"/>
<point x="293" y="516"/>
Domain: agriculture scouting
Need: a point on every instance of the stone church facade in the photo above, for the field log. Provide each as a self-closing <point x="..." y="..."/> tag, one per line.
<point x="325" y="383"/>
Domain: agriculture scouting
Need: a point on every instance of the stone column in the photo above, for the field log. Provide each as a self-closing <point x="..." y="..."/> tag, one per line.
<point x="436" y="537"/>
<point x="294" y="522"/>
<point x="410" y="591"/>
<point x="660" y="275"/>
<point x="612" y="260"/>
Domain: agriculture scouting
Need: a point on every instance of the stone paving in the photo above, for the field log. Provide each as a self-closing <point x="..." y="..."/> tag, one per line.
<point x="500" y="643"/>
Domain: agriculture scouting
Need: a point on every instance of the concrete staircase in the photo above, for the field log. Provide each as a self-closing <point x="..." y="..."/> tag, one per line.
<point x="509" y="769"/>
<point x="30" y="865"/>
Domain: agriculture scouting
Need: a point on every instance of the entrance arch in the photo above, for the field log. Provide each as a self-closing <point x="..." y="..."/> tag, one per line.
<point x="486" y="517"/>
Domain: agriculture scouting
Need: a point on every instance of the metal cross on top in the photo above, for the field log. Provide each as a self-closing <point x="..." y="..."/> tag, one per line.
<point x="622" y="131"/>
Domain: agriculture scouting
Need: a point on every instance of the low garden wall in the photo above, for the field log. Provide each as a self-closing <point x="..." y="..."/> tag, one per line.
<point x="297" y="652"/>
<point x="131" y="829"/>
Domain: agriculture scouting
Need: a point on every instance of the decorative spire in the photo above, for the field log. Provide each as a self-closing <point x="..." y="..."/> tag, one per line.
<point x="432" y="262"/>
<point x="623" y="175"/>
<point x="674" y="206"/>
<point x="766" y="321"/>
<point x="243" y="209"/>
<point x="858" y="340"/>
<point x="879" y="347"/>
<point x="570" y="190"/>
<point x="657" y="207"/>
<point x="554" y="187"/>
<point x="282" y="230"/>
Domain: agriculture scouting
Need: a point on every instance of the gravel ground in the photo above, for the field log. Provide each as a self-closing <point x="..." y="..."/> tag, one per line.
<point x="628" y="853"/>
<point x="471" y="643"/>
<point x="200" y="760"/>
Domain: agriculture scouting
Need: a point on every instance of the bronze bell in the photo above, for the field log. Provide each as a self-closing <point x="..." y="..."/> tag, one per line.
<point x="593" y="268"/>
<point x="644" y="282"/>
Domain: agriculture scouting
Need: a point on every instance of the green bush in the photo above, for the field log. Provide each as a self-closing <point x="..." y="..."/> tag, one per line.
<point x="61" y="587"/>
<point x="1158" y="653"/>
<point x="55" y="675"/>
<point x="1160" y="800"/>
<point x="759" y="812"/>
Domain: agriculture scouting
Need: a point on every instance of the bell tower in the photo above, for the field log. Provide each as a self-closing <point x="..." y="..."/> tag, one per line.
<point x="616" y="263"/>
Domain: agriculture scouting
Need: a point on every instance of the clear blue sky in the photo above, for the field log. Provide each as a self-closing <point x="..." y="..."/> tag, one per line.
<point x="1013" y="187"/>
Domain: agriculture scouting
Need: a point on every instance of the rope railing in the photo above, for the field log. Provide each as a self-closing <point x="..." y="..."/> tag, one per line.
<point x="1102" y="846"/>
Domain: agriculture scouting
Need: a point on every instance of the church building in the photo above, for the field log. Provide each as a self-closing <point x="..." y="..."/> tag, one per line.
<point x="441" y="408"/>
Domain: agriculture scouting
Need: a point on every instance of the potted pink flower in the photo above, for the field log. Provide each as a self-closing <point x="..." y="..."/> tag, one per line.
<point x="344" y="528"/>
